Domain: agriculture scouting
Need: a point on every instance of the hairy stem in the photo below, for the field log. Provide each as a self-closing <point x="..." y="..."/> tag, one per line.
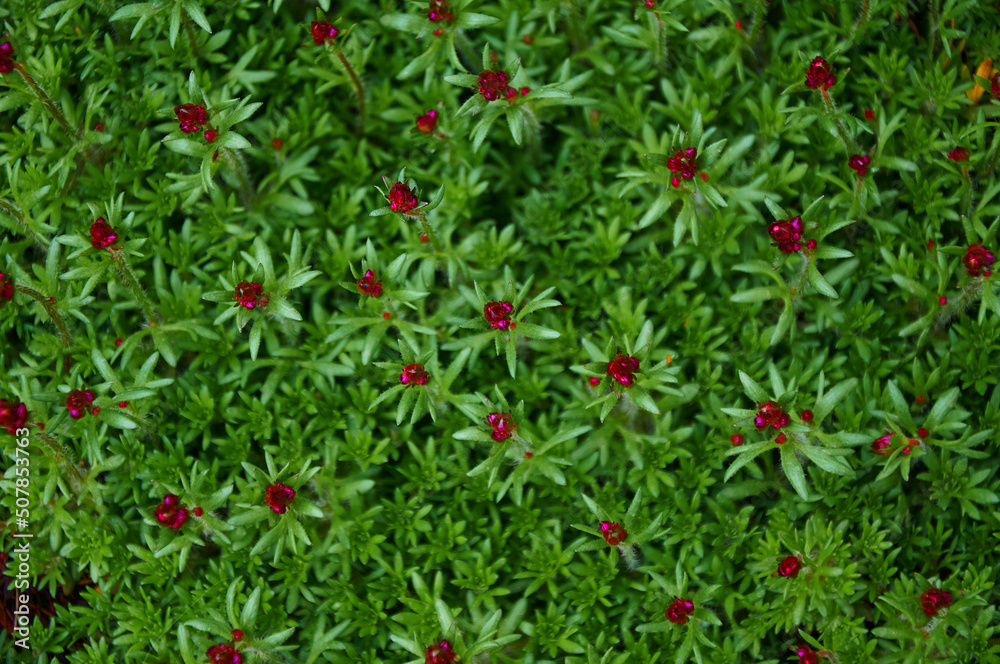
<point x="831" y="110"/>
<point x="759" y="11"/>
<point x="190" y="33"/>
<point x="129" y="280"/>
<point x="67" y="460"/>
<point x="972" y="291"/>
<point x="575" y="25"/>
<point x="358" y="88"/>
<point x="49" y="105"/>
<point x="18" y="216"/>
<point x="234" y="160"/>
<point x="50" y="310"/>
<point x="431" y="235"/>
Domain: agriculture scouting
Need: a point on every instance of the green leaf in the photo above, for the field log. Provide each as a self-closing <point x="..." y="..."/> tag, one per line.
<point x="793" y="470"/>
<point x="752" y="389"/>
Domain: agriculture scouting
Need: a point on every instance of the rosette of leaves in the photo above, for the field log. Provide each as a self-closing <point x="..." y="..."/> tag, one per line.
<point x="698" y="198"/>
<point x="693" y="631"/>
<point x="637" y="531"/>
<point x="181" y="13"/>
<point x="807" y="268"/>
<point x="378" y="325"/>
<point x="491" y="633"/>
<point x="223" y="116"/>
<point x="647" y="379"/>
<point x="418" y="400"/>
<point x="513" y="447"/>
<point x="825" y="450"/>
<point x="504" y="339"/>
<point x="522" y="115"/>
<point x="283" y="529"/>
<point x="275" y="304"/>
<point x="193" y="492"/>
<point x="541" y="464"/>
<point x="441" y="47"/>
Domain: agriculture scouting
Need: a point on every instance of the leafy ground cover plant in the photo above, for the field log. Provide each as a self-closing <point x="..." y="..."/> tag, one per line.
<point x="468" y="331"/>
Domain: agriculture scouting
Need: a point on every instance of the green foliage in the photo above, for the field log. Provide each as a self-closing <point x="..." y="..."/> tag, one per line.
<point x="411" y="523"/>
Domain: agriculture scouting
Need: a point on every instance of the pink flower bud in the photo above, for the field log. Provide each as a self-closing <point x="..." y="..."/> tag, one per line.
<point x="6" y="289"/>
<point x="368" y="285"/>
<point x="211" y="135"/>
<point x="198" y="511"/>
<point x="102" y="235"/>
<point x="882" y="445"/>
<point x="236" y="633"/>
<point x="806" y="656"/>
<point x="169" y="513"/>
<point x="323" y="32"/>
<point x="923" y="433"/>
<point x="818" y="74"/>
<point x="77" y="403"/>
<point x="401" y="198"/>
<point x="859" y="163"/>
<point x="679" y="611"/>
<point x="869" y="114"/>
<point x="807" y="416"/>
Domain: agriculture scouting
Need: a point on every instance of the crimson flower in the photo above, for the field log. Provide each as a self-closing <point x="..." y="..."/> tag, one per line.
<point x="789" y="566"/>
<point x="170" y="513"/>
<point x="440" y="10"/>
<point x="614" y="534"/>
<point x="442" y="653"/>
<point x="679" y="611"/>
<point x="958" y="154"/>
<point x="368" y="285"/>
<point x="493" y="84"/>
<point x="248" y="294"/>
<point x="78" y="401"/>
<point x="882" y="445"/>
<point x="770" y="414"/>
<point x="323" y="32"/>
<point x="102" y="235"/>
<point x="807" y="416"/>
<point x="503" y="426"/>
<point x="819" y="74"/>
<point x="401" y="198"/>
<point x="427" y="123"/>
<point x="922" y="432"/>
<point x="786" y="233"/>
<point x="497" y="314"/>
<point x="869" y="114"/>
<point x="622" y="369"/>
<point x="736" y="439"/>
<point x="977" y="261"/>
<point x="190" y="117"/>
<point x="12" y="415"/>
<point x="933" y="600"/>
<point x="859" y="163"/>
<point x="6" y="289"/>
<point x="6" y="58"/>
<point x="806" y="656"/>
<point x="684" y="163"/>
<point x="414" y="374"/>
<point x="278" y="496"/>
<point x="224" y="654"/>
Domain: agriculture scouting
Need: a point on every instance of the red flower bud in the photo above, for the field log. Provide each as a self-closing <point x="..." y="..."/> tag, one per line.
<point x="736" y="439"/>
<point x="497" y="314"/>
<point x="211" y="135"/>
<point x="190" y="117"/>
<point x="99" y="126"/>
<point x="594" y="381"/>
<point x="807" y="416"/>
<point x="503" y="426"/>
<point x="493" y="84"/>
<point x="859" y="163"/>
<point x="237" y="633"/>
<point x="622" y="369"/>
<point x="77" y="403"/>
<point x="6" y="289"/>
<point x="679" y="611"/>
<point x="278" y="144"/>
<point x="277" y="497"/>
<point x="882" y="445"/>
<point x="123" y="404"/>
<point x="933" y="600"/>
<point x="738" y="25"/>
<point x="977" y="261"/>
<point x="118" y="342"/>
<point x="12" y="415"/>
<point x="323" y="32"/>
<point x="790" y="566"/>
<point x="438" y="32"/>
<point x="169" y="513"/>
<point x="958" y="154"/>
<point x="810" y="245"/>
<point x="818" y="74"/>
<point x="424" y="238"/>
<point x="442" y="653"/>
<point x="368" y="285"/>
<point x="780" y="438"/>
<point x="414" y="374"/>
<point x="401" y="199"/>
<point x="786" y="233"/>
<point x="198" y="511"/>
<point x="427" y="122"/>
<point x="614" y="534"/>
<point x="806" y="656"/>
<point x="527" y="39"/>
<point x="923" y="433"/>
<point x="248" y="294"/>
<point x="684" y="163"/>
<point x="6" y="58"/>
<point x="869" y="114"/>
<point x="95" y="410"/>
<point x="102" y="235"/>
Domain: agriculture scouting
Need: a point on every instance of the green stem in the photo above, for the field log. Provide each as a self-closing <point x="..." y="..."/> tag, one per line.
<point x="431" y="235"/>
<point x="18" y="216"/>
<point x="866" y="10"/>
<point x="831" y="109"/>
<point x="128" y="278"/>
<point x="234" y="160"/>
<point x="802" y="278"/>
<point x="67" y="461"/>
<point x="759" y="10"/>
<point x="575" y="26"/>
<point x="358" y="88"/>
<point x="190" y="33"/>
<point x="967" y="296"/>
<point x="50" y="310"/>
<point x="47" y="102"/>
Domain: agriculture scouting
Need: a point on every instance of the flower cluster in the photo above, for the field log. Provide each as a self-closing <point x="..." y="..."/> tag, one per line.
<point x="503" y="426"/>
<point x="401" y="198"/>
<point x="414" y="374"/>
<point x="623" y="368"/>
<point x="102" y="235"/>
<point x="440" y="10"/>
<point x="170" y="513"/>
<point x="323" y="32"/>
<point x="190" y="117"/>
<point x="6" y="58"/>
<point x="685" y="164"/>
<point x="679" y="611"/>
<point x="819" y="74"/>
<point x="613" y="533"/>
<point x="497" y="314"/>
<point x="786" y="233"/>
<point x="933" y="600"/>
<point x="442" y="653"/>
<point x="224" y="654"/>
<point x="493" y="86"/>
<point x="6" y="289"/>
<point x="249" y="295"/>
<point x="78" y="402"/>
<point x="369" y="284"/>
<point x="977" y="261"/>
<point x="12" y="415"/>
<point x="859" y="163"/>
<point x="770" y="414"/>
<point x="278" y="496"/>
